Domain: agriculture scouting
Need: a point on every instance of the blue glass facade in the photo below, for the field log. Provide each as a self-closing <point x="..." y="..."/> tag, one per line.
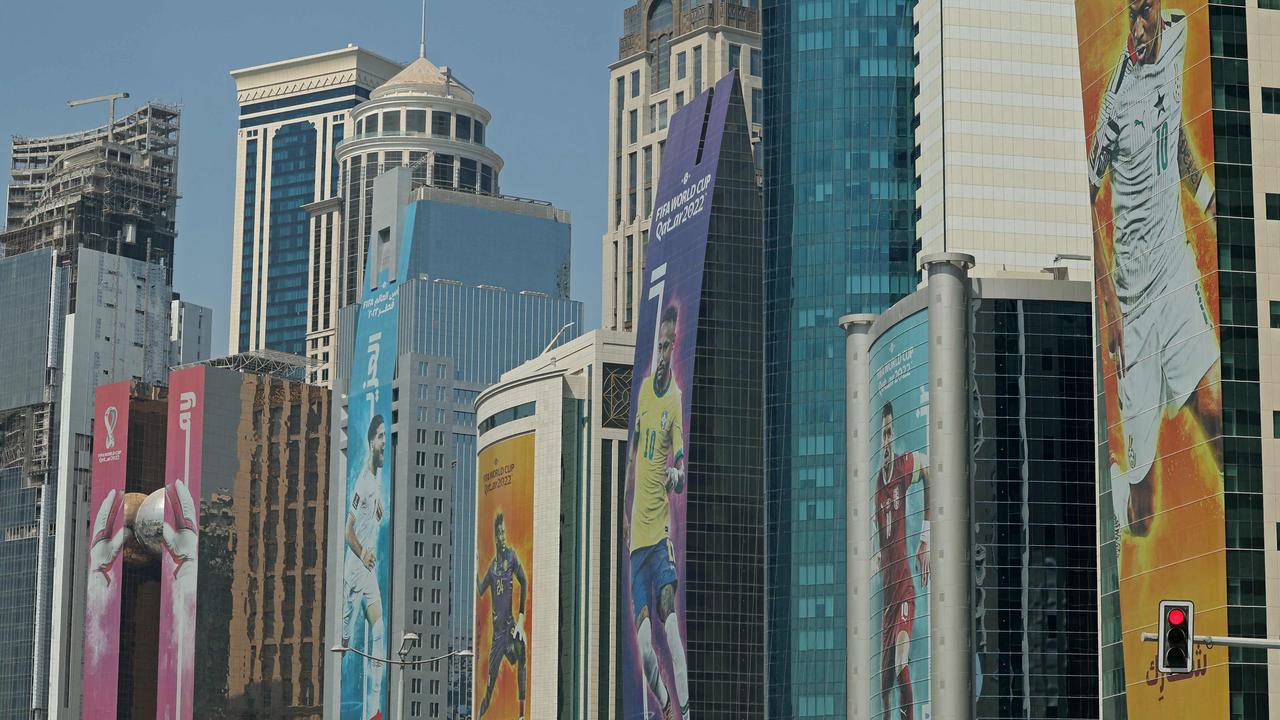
<point x="293" y="174"/>
<point x="839" y="237"/>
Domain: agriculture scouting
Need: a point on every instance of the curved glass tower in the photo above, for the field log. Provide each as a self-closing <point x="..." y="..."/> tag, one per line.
<point x="839" y="236"/>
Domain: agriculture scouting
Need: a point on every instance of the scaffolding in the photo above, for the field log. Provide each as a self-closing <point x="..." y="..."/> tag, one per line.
<point x="263" y="362"/>
<point x="116" y="195"/>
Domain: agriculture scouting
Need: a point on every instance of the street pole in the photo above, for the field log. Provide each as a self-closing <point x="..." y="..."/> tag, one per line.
<point x="407" y="643"/>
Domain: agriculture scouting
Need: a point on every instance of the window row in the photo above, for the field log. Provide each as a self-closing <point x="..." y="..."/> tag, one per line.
<point x="444" y="124"/>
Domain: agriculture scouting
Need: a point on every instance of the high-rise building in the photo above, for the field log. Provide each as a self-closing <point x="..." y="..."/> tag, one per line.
<point x="190" y="332"/>
<point x="972" y="564"/>
<point x="479" y="284"/>
<point x="570" y="407"/>
<point x="89" y="261"/>
<point x="1179" y="114"/>
<point x="1000" y="161"/>
<point x="293" y="113"/>
<point x="423" y="117"/>
<point x="839" y="237"/>
<point x="668" y="54"/>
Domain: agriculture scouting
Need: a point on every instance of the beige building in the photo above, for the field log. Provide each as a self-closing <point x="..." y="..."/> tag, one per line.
<point x="668" y="54"/>
<point x="1001" y="168"/>
<point x="293" y="114"/>
<point x="575" y="400"/>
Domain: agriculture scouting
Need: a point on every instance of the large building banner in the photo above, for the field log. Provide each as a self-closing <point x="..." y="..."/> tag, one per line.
<point x="653" y="665"/>
<point x="178" y="567"/>
<point x="504" y="590"/>
<point x="366" y="527"/>
<point x="1147" y="94"/>
<point x="899" y="437"/>
<point x="106" y="540"/>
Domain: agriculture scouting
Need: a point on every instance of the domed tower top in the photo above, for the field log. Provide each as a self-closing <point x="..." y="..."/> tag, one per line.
<point x="423" y="77"/>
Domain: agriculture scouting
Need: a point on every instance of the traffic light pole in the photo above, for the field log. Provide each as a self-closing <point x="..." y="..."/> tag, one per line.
<point x="1215" y="640"/>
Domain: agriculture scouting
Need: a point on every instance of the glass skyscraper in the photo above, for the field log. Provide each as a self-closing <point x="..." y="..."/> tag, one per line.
<point x="839" y="209"/>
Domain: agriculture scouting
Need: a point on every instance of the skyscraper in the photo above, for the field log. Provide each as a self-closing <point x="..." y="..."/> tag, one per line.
<point x="668" y="54"/>
<point x="479" y="285"/>
<point x="423" y="117"/>
<point x="293" y="113"/>
<point x="839" y="236"/>
<point x="88" y="257"/>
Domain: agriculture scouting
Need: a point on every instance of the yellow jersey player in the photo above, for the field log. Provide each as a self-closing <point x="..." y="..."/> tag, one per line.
<point x="657" y="463"/>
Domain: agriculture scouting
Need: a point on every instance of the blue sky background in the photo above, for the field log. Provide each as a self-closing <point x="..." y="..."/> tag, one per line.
<point x="540" y="66"/>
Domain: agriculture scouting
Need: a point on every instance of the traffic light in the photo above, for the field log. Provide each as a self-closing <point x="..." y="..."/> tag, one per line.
<point x="1177" y="636"/>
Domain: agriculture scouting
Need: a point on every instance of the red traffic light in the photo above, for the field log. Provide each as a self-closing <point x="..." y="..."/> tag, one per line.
<point x="1177" y="617"/>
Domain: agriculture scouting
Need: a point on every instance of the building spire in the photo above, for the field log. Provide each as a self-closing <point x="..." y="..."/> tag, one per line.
<point x="422" y="36"/>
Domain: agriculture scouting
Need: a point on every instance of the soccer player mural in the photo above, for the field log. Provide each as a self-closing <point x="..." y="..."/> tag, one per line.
<point x="653" y="662"/>
<point x="1147" y="90"/>
<point x="504" y="552"/>
<point x="900" y="473"/>
<point x="366" y="526"/>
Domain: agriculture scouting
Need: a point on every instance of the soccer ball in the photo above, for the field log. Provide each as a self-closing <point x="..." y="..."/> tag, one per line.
<point x="148" y="524"/>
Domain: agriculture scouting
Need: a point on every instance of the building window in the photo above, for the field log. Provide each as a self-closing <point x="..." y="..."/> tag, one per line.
<point x="1275" y="313"/>
<point x="371" y="124"/>
<point x="443" y="171"/>
<point x="735" y="57"/>
<point x="757" y="67"/>
<point x="477" y="132"/>
<point x="441" y="123"/>
<point x="757" y="103"/>
<point x="635" y="83"/>
<point x="635" y="126"/>
<point x="679" y="100"/>
<point x="415" y="121"/>
<point x="682" y="66"/>
<point x="467" y="174"/>
<point x="662" y="115"/>
<point x="1271" y="100"/>
<point x="1273" y="202"/>
<point x="1269" y="4"/>
<point x="1275" y="423"/>
<point x="697" y="70"/>
<point x="463" y="131"/>
<point x="391" y="121"/>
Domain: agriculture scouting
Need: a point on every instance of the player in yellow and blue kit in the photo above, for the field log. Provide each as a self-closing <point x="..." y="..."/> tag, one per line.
<point x="657" y="466"/>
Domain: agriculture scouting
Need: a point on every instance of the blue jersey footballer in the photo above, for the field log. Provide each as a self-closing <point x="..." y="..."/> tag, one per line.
<point x="508" y="631"/>
<point x="657" y="466"/>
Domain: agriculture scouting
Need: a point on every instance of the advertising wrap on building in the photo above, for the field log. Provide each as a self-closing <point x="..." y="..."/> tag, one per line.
<point x="653" y="668"/>
<point x="366" y="560"/>
<point x="899" y="436"/>
<point x="504" y="562"/>
<point x="1147" y="94"/>
<point x="106" y="541"/>
<point x="179" y="562"/>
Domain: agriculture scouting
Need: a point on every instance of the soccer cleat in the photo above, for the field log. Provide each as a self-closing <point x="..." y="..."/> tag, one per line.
<point x="377" y="716"/>
<point x="666" y="713"/>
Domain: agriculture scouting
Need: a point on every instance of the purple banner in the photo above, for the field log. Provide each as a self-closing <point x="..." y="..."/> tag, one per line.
<point x="653" y="663"/>
<point x="106" y="540"/>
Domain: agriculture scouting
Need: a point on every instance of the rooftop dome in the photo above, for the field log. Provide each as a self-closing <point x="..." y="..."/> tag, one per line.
<point x="423" y="76"/>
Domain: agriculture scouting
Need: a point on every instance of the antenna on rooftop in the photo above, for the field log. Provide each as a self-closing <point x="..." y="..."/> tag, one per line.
<point x="422" y="37"/>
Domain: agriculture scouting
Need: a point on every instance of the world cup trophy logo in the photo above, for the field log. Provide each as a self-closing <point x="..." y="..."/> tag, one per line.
<point x="109" y="418"/>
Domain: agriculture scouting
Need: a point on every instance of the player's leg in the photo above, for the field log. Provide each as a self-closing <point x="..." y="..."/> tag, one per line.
<point x="641" y="590"/>
<point x="377" y="642"/>
<point x="902" y="659"/>
<point x="517" y="657"/>
<point x="888" y="671"/>
<point x="675" y="644"/>
<point x="1141" y="388"/>
<point x="495" y="663"/>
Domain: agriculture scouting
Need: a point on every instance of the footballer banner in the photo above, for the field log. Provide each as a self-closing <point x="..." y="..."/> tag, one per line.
<point x="366" y="528"/>
<point x="504" y="561"/>
<point x="106" y="540"/>
<point x="899" y="437"/>
<point x="653" y="665"/>
<point x="1147" y="92"/>
<point x="181" y="538"/>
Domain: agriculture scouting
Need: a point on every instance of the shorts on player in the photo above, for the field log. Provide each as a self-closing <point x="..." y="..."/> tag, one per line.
<point x="360" y="588"/>
<point x="652" y="568"/>
<point x="900" y="617"/>
<point x="504" y="647"/>
<point x="1169" y="344"/>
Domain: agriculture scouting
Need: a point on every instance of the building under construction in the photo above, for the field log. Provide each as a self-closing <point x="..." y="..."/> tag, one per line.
<point x="113" y="189"/>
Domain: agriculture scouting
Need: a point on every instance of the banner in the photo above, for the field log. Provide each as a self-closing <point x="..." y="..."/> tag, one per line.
<point x="178" y="567"/>
<point x="899" y="437"/>
<point x="106" y="540"/>
<point x="504" y="559"/>
<point x="1147" y="92"/>
<point x="367" y="543"/>
<point x="653" y="664"/>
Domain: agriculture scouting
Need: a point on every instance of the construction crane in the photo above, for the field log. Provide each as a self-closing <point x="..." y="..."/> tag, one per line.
<point x="111" y="108"/>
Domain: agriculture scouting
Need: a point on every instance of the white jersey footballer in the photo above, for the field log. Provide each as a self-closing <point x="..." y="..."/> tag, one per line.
<point x="1164" y="343"/>
<point x="363" y="601"/>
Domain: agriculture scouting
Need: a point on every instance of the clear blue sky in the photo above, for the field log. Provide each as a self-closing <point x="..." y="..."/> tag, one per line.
<point x="540" y="66"/>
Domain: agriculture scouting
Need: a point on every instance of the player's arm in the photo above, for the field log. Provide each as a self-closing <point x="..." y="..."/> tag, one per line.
<point x="485" y="583"/>
<point x="352" y="541"/>
<point x="1194" y="176"/>
<point x="675" y="473"/>
<point x="524" y="582"/>
<point x="1106" y="137"/>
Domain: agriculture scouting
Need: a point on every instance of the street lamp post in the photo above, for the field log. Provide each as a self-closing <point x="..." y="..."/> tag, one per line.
<point x="408" y="642"/>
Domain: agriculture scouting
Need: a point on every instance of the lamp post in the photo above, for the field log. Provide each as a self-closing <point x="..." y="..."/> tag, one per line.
<point x="408" y="642"/>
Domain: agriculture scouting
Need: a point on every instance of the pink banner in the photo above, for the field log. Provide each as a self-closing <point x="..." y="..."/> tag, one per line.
<point x="106" y="540"/>
<point x="175" y="681"/>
